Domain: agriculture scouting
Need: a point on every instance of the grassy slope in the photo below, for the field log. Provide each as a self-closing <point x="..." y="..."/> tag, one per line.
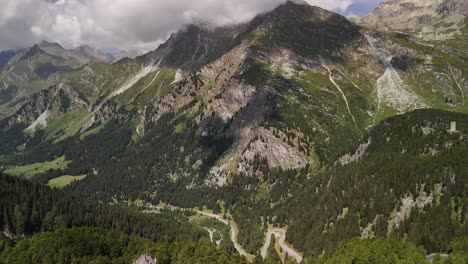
<point x="63" y="181"/>
<point x="30" y="170"/>
<point x="99" y="79"/>
<point x="460" y="42"/>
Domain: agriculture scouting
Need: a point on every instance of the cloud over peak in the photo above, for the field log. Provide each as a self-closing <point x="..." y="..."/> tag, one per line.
<point x="124" y="24"/>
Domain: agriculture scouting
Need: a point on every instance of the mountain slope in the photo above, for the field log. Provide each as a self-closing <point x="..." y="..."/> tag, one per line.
<point x="298" y="86"/>
<point x="321" y="44"/>
<point x="430" y="20"/>
<point x="249" y="120"/>
<point x="5" y="57"/>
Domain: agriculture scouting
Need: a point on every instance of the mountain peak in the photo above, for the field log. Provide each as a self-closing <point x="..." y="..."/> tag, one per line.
<point x="299" y="2"/>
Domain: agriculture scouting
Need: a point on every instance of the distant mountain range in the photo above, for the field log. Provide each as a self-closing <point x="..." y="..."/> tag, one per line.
<point x="26" y="71"/>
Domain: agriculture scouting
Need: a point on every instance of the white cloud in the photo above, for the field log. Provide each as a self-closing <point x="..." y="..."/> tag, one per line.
<point x="336" y="5"/>
<point x="124" y="24"/>
<point x="351" y="15"/>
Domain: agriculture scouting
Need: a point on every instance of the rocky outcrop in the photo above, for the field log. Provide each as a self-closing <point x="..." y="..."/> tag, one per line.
<point x="277" y="152"/>
<point x="356" y="156"/>
<point x="410" y="202"/>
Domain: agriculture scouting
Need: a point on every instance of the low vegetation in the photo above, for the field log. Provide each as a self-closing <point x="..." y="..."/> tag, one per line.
<point x="63" y="181"/>
<point x="31" y="170"/>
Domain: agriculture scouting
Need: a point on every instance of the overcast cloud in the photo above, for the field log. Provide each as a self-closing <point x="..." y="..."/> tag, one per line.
<point x="125" y="24"/>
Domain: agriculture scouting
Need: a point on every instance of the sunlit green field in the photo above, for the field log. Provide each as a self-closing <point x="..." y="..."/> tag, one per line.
<point x="30" y="170"/>
<point x="65" y="180"/>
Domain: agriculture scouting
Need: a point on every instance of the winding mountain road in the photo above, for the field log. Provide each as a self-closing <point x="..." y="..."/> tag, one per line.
<point x="231" y="224"/>
<point x="278" y="232"/>
<point x="233" y="231"/>
<point x="281" y="234"/>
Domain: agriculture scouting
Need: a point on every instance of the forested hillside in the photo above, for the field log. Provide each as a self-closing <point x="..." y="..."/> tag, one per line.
<point x="412" y="168"/>
<point x="96" y="245"/>
<point x="28" y="208"/>
<point x="390" y="251"/>
<point x="407" y="179"/>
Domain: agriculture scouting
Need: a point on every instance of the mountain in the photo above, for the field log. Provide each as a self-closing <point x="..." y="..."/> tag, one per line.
<point x="5" y="57"/>
<point x="126" y="54"/>
<point x="299" y="120"/>
<point x="93" y="54"/>
<point x="27" y="71"/>
<point x="429" y="20"/>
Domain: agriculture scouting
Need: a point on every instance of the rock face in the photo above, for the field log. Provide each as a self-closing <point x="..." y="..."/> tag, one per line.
<point x="429" y="20"/>
<point x="145" y="259"/>
<point x="358" y="155"/>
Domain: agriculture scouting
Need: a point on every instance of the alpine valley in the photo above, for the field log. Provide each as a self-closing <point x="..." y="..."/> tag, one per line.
<point x="298" y="136"/>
